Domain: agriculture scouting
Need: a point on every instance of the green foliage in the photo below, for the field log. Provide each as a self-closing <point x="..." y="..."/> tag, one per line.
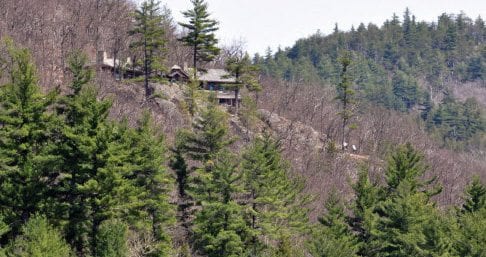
<point x="345" y="93"/>
<point x="80" y="75"/>
<point x="191" y="94"/>
<point x="220" y="229"/>
<point x="398" y="219"/>
<point x="334" y="238"/>
<point x="82" y="145"/>
<point x="249" y="114"/>
<point x="405" y="89"/>
<point x="111" y="239"/>
<point x="39" y="239"/>
<point x="363" y="219"/>
<point x="407" y="223"/>
<point x="287" y="248"/>
<point x="153" y="183"/>
<point x="209" y="135"/>
<point x="475" y="196"/>
<point x="401" y="226"/>
<point x="149" y="33"/>
<point x="24" y="141"/>
<point x="457" y="122"/>
<point x="200" y="34"/>
<point x="406" y="165"/>
<point x="245" y="73"/>
<point x="389" y="59"/>
<point x="472" y="239"/>
<point x="66" y="160"/>
<point x="276" y="204"/>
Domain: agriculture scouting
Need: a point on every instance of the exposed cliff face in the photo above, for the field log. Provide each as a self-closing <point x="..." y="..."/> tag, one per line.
<point x="165" y="106"/>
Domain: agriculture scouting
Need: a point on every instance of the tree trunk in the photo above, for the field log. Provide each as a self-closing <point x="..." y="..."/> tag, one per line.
<point x="195" y="61"/>
<point x="345" y="119"/>
<point x="147" y="93"/>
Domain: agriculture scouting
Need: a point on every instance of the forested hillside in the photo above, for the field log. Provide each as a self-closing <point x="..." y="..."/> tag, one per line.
<point x="436" y="68"/>
<point x="362" y="143"/>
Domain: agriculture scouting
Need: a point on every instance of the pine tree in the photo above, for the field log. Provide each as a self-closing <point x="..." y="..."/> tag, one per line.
<point x="472" y="239"/>
<point x="150" y="32"/>
<point x="275" y="200"/>
<point x="81" y="145"/>
<point x="219" y="227"/>
<point x="334" y="238"/>
<point x="112" y="239"/>
<point x="345" y="95"/>
<point x="406" y="90"/>
<point x="39" y="239"/>
<point x="404" y="221"/>
<point x="25" y="132"/>
<point x="209" y="135"/>
<point x="472" y="221"/>
<point x="153" y="183"/>
<point x="407" y="165"/>
<point x="200" y="34"/>
<point x="475" y="198"/>
<point x="245" y="73"/>
<point x="363" y="219"/>
<point x="401" y="225"/>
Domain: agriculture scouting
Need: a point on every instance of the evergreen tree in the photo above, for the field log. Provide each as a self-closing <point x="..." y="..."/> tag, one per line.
<point x="345" y="95"/>
<point x="153" y="183"/>
<point x="150" y="31"/>
<point x="456" y="121"/>
<point x="407" y="165"/>
<point x="472" y="221"/>
<point x="209" y="135"/>
<point x="472" y="240"/>
<point x="334" y="238"/>
<point x="402" y="225"/>
<point x="475" y="198"/>
<point x="405" y="222"/>
<point x="275" y="201"/>
<point x="200" y="34"/>
<point x="39" y="239"/>
<point x="112" y="239"/>
<point x="245" y="73"/>
<point x="25" y="130"/>
<point x="81" y="145"/>
<point x="219" y="227"/>
<point x="363" y="219"/>
<point x="406" y="90"/>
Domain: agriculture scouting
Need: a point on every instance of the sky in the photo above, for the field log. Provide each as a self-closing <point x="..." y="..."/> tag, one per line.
<point x="279" y="23"/>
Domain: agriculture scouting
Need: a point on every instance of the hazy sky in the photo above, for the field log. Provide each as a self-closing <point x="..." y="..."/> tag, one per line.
<point x="273" y="23"/>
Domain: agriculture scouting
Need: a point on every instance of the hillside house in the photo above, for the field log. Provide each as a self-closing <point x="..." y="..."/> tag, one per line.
<point x="218" y="80"/>
<point x="125" y="70"/>
<point x="178" y="74"/>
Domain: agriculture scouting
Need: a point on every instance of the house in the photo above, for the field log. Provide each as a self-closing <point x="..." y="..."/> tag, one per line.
<point x="178" y="74"/>
<point x="126" y="69"/>
<point x="219" y="80"/>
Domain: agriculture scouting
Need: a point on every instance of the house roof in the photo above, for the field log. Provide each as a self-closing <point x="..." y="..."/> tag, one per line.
<point x="176" y="69"/>
<point x="216" y="75"/>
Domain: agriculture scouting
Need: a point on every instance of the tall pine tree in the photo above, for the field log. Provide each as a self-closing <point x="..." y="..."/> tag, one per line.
<point x="150" y="38"/>
<point x="274" y="198"/>
<point x="245" y="73"/>
<point x="200" y="34"/>
<point x="25" y="130"/>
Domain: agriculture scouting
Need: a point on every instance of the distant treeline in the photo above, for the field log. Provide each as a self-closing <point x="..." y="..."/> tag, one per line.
<point x="402" y="65"/>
